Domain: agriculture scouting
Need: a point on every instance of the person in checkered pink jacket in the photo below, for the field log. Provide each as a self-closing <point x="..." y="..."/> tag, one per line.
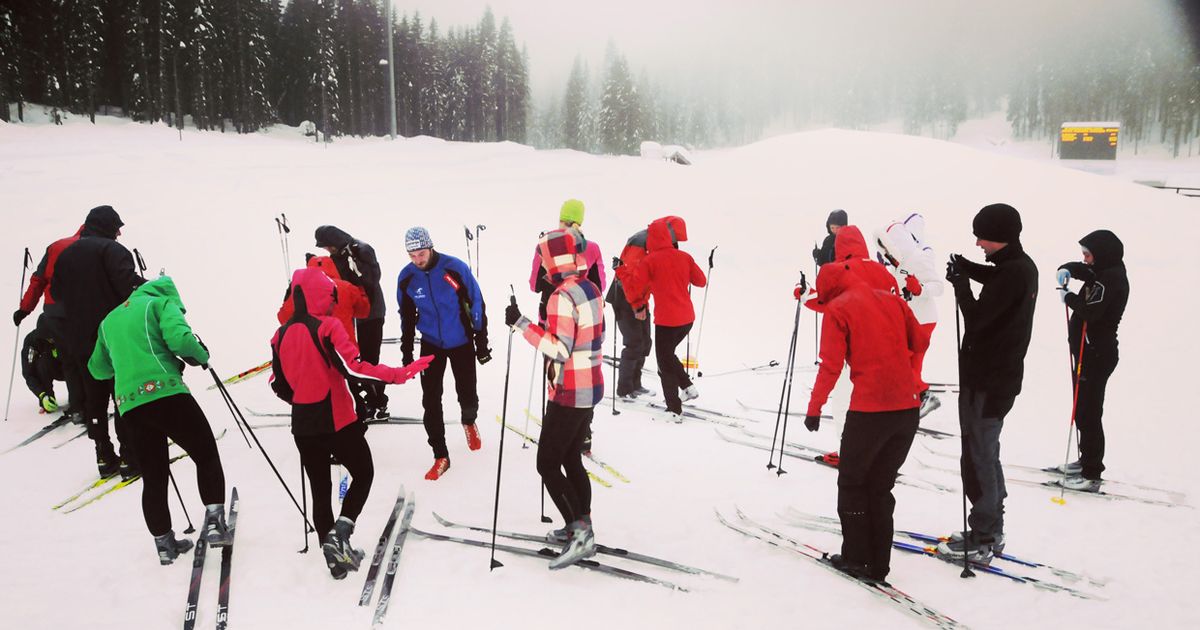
<point x="571" y="339"/>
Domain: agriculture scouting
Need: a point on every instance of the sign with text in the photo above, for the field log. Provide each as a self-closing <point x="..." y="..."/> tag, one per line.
<point x="1088" y="140"/>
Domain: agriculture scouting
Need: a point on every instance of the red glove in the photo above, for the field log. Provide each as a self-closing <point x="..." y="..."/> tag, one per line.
<point x="799" y="292"/>
<point x="412" y="369"/>
<point x="912" y="284"/>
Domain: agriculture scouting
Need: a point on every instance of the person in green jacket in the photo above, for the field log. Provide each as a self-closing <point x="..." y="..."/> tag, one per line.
<point x="143" y="344"/>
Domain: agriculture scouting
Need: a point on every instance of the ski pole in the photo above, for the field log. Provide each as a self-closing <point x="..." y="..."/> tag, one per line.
<point x="141" y="264"/>
<point x="467" y="231"/>
<point x="783" y="392"/>
<point x="816" y="318"/>
<point x="190" y="528"/>
<point x="1077" y="368"/>
<point x="25" y="261"/>
<point x="791" y="375"/>
<point x="614" y="367"/>
<point x="529" y="399"/>
<point x="478" y="259"/>
<point x="287" y="273"/>
<point x="545" y="375"/>
<point x="304" y="509"/>
<point x="238" y="417"/>
<point x="703" y="308"/>
<point x="287" y="244"/>
<point x="966" y="572"/>
<point x="512" y="299"/>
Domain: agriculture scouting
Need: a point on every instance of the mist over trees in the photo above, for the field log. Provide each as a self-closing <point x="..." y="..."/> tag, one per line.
<point x="249" y="63"/>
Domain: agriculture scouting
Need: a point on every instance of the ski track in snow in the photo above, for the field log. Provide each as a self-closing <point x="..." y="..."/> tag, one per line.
<point x="202" y="209"/>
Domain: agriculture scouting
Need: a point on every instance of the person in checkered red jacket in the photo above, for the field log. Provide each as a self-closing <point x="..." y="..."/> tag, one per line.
<point x="571" y="339"/>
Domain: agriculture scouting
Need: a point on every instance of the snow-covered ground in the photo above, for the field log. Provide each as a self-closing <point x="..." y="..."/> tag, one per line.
<point x="202" y="208"/>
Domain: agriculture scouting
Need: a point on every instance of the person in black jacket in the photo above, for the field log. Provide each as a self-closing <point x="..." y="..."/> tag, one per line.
<point x="825" y="253"/>
<point x="997" y="329"/>
<point x="357" y="264"/>
<point x="41" y="365"/>
<point x="1099" y="306"/>
<point x="634" y="325"/>
<point x="92" y="277"/>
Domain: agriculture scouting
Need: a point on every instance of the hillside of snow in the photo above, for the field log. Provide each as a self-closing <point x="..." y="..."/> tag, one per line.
<point x="202" y="208"/>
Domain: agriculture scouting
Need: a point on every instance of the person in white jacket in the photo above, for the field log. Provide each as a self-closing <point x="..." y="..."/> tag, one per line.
<point x="904" y="252"/>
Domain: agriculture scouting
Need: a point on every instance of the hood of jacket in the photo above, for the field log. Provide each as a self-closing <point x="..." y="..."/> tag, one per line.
<point x="160" y="287"/>
<point x="102" y="221"/>
<point x="666" y="233"/>
<point x="850" y="243"/>
<point x="834" y="279"/>
<point x="561" y="252"/>
<point x="330" y="236"/>
<point x="326" y="265"/>
<point x="896" y="241"/>
<point x="1107" y="250"/>
<point x="916" y="226"/>
<point x="312" y="292"/>
<point x="837" y="217"/>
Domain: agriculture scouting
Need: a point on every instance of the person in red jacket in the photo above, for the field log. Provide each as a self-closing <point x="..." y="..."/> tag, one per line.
<point x="350" y="301"/>
<point x="666" y="273"/>
<point x="876" y="333"/>
<point x="852" y="252"/>
<point x="312" y="358"/>
<point x="53" y="321"/>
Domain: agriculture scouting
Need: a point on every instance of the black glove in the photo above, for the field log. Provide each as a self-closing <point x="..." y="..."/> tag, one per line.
<point x="817" y="254"/>
<point x="616" y="262"/>
<point x="482" y="353"/>
<point x="955" y="270"/>
<point x="812" y="423"/>
<point x="1080" y="271"/>
<point x="191" y="361"/>
<point x="511" y="315"/>
<point x="18" y="316"/>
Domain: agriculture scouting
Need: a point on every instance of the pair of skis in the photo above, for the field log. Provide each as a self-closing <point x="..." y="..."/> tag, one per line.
<point x="596" y="479"/>
<point x="406" y="505"/>
<point x="925" y="431"/>
<point x="60" y="421"/>
<point x="198" y="561"/>
<point x="607" y="468"/>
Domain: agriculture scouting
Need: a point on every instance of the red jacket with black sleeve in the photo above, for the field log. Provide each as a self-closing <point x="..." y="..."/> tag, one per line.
<point x="876" y="334"/>
<point x="665" y="273"/>
<point x="351" y="302"/>
<point x="39" y="283"/>
<point x="312" y="358"/>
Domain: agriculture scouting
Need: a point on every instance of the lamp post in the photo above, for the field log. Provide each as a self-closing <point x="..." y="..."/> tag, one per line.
<point x="390" y="63"/>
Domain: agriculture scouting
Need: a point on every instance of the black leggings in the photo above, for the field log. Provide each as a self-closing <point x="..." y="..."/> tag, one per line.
<point x="670" y="370"/>
<point x="1089" y="410"/>
<point x="180" y="419"/>
<point x="351" y="448"/>
<point x="563" y="431"/>
<point x="370" y="339"/>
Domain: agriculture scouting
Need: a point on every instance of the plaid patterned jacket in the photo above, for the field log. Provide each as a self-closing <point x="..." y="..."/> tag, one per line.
<point x="574" y="332"/>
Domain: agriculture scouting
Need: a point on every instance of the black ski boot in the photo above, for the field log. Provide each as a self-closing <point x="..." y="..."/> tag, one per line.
<point x="169" y="547"/>
<point x="337" y="549"/>
<point x="215" y="532"/>
<point x="107" y="461"/>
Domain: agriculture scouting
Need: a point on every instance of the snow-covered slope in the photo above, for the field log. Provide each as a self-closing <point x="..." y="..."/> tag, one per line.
<point x="202" y="208"/>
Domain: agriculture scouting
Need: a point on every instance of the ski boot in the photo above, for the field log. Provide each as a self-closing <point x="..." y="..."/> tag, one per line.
<point x="337" y="549"/>
<point x="1072" y="469"/>
<point x="170" y="547"/>
<point x="582" y="545"/>
<point x="929" y="402"/>
<point x="979" y="549"/>
<point x="473" y="441"/>
<point x="214" y="531"/>
<point x="642" y="391"/>
<point x="562" y="535"/>
<point x="998" y="541"/>
<point x="856" y="570"/>
<point x="129" y="471"/>
<point x="439" y="468"/>
<point x="107" y="461"/>
<point x="1081" y="483"/>
<point x="689" y="393"/>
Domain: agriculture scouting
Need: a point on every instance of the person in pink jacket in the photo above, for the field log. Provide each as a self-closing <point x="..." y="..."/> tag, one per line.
<point x="312" y="360"/>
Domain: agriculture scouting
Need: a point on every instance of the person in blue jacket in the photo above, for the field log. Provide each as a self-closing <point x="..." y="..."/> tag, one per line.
<point x="439" y="296"/>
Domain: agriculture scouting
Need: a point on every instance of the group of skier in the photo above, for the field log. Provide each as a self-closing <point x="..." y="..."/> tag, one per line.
<point x="119" y="336"/>
<point x="880" y="325"/>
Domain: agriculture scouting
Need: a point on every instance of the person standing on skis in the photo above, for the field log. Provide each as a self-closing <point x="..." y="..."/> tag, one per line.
<point x="571" y="339"/>
<point x="1096" y="309"/>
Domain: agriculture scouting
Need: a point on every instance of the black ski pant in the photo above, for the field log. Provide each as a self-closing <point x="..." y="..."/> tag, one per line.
<point x="350" y="448"/>
<point x="670" y="370"/>
<point x="635" y="337"/>
<point x="370" y="340"/>
<point x="180" y="419"/>
<point x="874" y="446"/>
<point x="462" y="364"/>
<point x="96" y="395"/>
<point x="981" y="421"/>
<point x="1089" y="410"/>
<point x="559" y="452"/>
<point x="56" y="327"/>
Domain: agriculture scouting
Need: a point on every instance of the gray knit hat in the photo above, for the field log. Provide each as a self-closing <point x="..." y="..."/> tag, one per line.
<point x="417" y="238"/>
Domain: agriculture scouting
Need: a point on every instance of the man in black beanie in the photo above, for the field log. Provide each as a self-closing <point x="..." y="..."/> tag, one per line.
<point x="92" y="277"/>
<point x="824" y="254"/>
<point x="998" y="325"/>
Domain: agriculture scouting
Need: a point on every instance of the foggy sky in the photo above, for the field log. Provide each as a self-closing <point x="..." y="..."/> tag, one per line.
<point x="757" y="41"/>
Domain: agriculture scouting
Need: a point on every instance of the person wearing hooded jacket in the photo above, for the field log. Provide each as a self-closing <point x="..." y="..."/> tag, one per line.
<point x="312" y="363"/>
<point x="356" y="263"/>
<point x="41" y="365"/>
<point x="997" y="327"/>
<point x="92" y="276"/>
<point x="911" y="260"/>
<point x="1099" y="305"/>
<point x="634" y="325"/>
<point x="439" y="296"/>
<point x="666" y="274"/>
<point x="853" y="254"/>
<point x="572" y="339"/>
<point x="827" y="252"/>
<point x="143" y="345"/>
<point x="876" y="334"/>
<point x="570" y="215"/>
<point x="350" y="301"/>
<point x="53" y="322"/>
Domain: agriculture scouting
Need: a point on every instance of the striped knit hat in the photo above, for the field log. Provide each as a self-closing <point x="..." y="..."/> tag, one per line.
<point x="417" y="238"/>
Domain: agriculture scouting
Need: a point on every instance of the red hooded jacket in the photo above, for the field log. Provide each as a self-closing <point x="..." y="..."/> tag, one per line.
<point x="876" y="333"/>
<point x="316" y="375"/>
<point x="351" y="303"/>
<point x="851" y="249"/>
<point x="664" y="273"/>
<point x="39" y="282"/>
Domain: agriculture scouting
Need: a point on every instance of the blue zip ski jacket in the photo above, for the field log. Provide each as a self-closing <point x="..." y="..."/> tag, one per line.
<point x="443" y="302"/>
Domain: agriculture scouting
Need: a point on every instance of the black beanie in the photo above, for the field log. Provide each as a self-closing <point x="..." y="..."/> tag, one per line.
<point x="998" y="222"/>
<point x="104" y="221"/>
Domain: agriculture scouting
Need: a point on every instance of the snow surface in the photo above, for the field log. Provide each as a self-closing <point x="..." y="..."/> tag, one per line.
<point x="202" y="209"/>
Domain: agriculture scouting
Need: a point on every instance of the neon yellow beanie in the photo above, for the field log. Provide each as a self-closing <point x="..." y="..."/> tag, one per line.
<point x="571" y="212"/>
